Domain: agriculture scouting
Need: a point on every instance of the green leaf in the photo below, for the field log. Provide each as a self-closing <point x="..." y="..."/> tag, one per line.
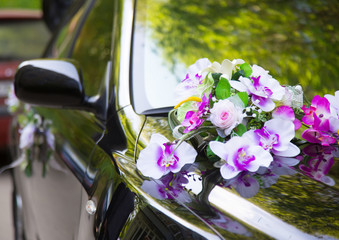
<point x="216" y="76"/>
<point x="206" y="86"/>
<point x="211" y="156"/>
<point x="184" y="108"/>
<point x="244" y="97"/>
<point x="247" y="69"/>
<point x="172" y="119"/>
<point x="240" y="129"/>
<point x="300" y="131"/>
<point x="223" y="89"/>
<point x="237" y="74"/>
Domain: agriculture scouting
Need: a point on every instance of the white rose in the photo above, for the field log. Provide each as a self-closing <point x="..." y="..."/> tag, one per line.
<point x="225" y="115"/>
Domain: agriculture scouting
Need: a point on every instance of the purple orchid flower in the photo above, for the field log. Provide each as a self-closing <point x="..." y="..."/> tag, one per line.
<point x="188" y="87"/>
<point x="263" y="88"/>
<point x="194" y="77"/>
<point x="275" y="136"/>
<point x="160" y="157"/>
<point x="240" y="155"/>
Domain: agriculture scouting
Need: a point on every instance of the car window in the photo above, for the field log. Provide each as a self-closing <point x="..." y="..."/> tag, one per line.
<point x="297" y="41"/>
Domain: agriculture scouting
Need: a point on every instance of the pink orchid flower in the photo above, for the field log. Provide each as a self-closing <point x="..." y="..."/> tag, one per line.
<point x="318" y="114"/>
<point x="193" y="120"/>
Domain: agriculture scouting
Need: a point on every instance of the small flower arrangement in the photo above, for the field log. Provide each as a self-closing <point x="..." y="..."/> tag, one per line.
<point x="36" y="138"/>
<point x="246" y="124"/>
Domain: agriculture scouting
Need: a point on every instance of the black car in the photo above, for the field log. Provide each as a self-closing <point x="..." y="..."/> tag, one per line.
<point x="105" y="86"/>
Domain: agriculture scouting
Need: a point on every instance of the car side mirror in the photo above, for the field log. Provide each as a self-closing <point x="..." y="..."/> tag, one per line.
<point x="52" y="83"/>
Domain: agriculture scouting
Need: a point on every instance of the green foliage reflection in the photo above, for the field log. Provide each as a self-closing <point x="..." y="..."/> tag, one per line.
<point x="296" y="40"/>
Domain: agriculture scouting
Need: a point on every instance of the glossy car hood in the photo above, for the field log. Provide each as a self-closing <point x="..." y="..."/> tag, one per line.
<point x="299" y="202"/>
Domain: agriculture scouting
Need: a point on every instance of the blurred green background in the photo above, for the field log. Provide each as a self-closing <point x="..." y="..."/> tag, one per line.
<point x="29" y="4"/>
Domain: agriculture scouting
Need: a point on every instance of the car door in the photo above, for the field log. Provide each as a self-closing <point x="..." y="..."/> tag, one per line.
<point x="52" y="202"/>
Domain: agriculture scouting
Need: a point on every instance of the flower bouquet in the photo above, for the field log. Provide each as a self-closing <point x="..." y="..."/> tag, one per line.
<point x="242" y="121"/>
<point x="36" y="138"/>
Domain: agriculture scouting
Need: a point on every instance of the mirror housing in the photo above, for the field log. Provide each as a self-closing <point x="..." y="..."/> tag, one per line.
<point x="53" y="83"/>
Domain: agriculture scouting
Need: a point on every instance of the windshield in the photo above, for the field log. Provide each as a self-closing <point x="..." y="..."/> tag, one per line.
<point x="297" y="41"/>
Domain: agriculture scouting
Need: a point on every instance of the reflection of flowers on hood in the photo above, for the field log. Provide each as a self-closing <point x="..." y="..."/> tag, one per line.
<point x="322" y="159"/>
<point x="169" y="186"/>
<point x="161" y="157"/>
<point x="228" y="224"/>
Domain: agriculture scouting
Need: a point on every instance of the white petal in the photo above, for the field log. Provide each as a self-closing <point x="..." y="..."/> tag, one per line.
<point x="186" y="154"/>
<point x="334" y="124"/>
<point x="199" y="66"/>
<point x="238" y="86"/>
<point x="147" y="162"/>
<point x="228" y="172"/>
<point x="291" y="151"/>
<point x="219" y="149"/>
<point x="265" y="104"/>
<point x="285" y="130"/>
<point x="215" y="67"/>
<point x="226" y="68"/>
<point x="262" y="158"/>
<point x="237" y="62"/>
<point x="158" y="139"/>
